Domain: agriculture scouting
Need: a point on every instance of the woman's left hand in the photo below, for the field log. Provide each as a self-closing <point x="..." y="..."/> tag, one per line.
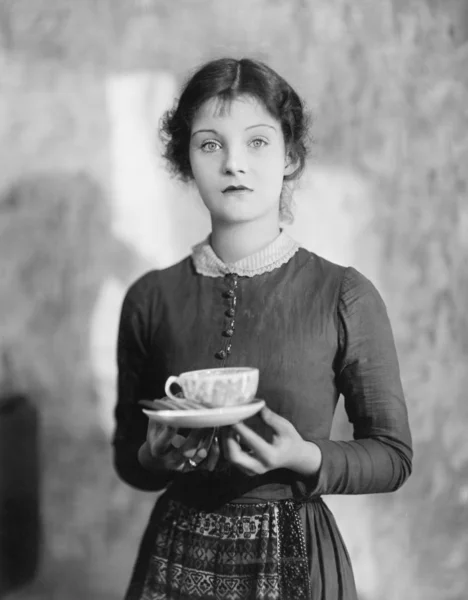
<point x="287" y="450"/>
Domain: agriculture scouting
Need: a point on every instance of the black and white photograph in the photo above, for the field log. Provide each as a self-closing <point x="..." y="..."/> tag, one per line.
<point x="233" y="300"/>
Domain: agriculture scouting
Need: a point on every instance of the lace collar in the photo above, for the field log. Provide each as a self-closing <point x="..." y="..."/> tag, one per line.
<point x="276" y="254"/>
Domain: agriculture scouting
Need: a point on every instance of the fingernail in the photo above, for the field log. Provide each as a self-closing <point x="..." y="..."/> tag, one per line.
<point x="177" y="441"/>
<point x="190" y="453"/>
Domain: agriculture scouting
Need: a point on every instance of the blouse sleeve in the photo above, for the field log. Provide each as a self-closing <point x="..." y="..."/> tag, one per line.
<point x="379" y="459"/>
<point x="133" y="384"/>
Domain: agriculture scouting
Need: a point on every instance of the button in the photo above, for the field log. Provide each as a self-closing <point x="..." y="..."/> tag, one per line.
<point x="221" y="355"/>
<point x="228" y="349"/>
<point x="230" y="312"/>
<point x="229" y="294"/>
<point x="228" y="332"/>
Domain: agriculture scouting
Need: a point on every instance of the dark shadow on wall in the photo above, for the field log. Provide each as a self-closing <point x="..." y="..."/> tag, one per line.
<point x="56" y="249"/>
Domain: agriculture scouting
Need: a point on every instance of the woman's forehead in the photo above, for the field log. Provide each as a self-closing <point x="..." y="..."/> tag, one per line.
<point x="241" y="109"/>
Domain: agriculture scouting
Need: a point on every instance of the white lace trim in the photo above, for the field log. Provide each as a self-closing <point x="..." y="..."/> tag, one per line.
<point x="276" y="254"/>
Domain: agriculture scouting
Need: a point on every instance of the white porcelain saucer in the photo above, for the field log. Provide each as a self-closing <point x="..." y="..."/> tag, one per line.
<point x="206" y="417"/>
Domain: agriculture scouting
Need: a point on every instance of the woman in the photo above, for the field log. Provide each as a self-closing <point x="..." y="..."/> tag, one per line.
<point x="244" y="518"/>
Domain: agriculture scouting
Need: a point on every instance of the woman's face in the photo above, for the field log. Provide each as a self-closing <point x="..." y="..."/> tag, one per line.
<point x="238" y="144"/>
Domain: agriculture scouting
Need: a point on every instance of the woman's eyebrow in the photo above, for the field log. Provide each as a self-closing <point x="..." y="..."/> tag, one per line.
<point x="261" y="125"/>
<point x="204" y="131"/>
<point x="249" y="127"/>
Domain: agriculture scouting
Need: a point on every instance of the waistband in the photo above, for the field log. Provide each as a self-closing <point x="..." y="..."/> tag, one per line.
<point x="207" y="492"/>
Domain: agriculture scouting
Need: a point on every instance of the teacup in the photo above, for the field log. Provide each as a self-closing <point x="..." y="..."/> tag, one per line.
<point x="216" y="388"/>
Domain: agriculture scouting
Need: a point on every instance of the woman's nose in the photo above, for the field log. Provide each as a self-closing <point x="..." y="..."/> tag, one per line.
<point x="234" y="161"/>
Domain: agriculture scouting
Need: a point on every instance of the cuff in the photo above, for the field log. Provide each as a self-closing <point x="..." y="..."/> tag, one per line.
<point x="331" y="468"/>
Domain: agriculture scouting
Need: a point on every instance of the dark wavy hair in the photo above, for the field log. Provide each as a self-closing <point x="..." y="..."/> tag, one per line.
<point x="227" y="79"/>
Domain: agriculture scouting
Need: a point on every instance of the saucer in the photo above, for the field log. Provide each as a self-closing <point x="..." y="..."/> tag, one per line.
<point x="205" y="417"/>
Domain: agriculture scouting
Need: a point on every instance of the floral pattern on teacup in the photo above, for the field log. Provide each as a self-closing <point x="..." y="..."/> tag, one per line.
<point x="220" y="387"/>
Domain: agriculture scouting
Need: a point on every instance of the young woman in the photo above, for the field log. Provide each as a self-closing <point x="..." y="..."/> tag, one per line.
<point x="244" y="517"/>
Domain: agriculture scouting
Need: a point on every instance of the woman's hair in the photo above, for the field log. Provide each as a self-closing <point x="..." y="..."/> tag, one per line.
<point x="227" y="79"/>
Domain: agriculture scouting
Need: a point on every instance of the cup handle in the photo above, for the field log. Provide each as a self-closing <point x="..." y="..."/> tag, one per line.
<point x="167" y="388"/>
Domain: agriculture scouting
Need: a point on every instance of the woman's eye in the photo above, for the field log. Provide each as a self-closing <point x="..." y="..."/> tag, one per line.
<point x="210" y="146"/>
<point x="258" y="142"/>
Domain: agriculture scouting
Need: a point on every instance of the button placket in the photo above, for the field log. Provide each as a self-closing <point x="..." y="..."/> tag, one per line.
<point x="230" y="325"/>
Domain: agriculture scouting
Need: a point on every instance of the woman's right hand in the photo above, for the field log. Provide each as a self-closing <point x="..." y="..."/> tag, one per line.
<point x="166" y="449"/>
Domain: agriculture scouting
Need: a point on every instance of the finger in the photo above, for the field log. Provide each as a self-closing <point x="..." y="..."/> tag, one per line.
<point x="159" y="437"/>
<point x="174" y="461"/>
<point x="193" y="458"/>
<point x="158" y="429"/>
<point x="204" y="445"/>
<point x="213" y="455"/>
<point x="178" y="440"/>
<point x="192" y="444"/>
<point x="170" y="459"/>
<point x="246" y="462"/>
<point x="224" y="434"/>
<point x="278" y="423"/>
<point x="251" y="439"/>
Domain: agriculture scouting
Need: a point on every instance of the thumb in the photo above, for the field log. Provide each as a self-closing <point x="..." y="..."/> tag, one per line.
<point x="278" y="423"/>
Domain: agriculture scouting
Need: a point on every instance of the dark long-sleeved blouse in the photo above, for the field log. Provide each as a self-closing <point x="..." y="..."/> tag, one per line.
<point x="313" y="328"/>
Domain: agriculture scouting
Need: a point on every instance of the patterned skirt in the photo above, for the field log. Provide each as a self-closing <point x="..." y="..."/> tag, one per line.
<point x="240" y="551"/>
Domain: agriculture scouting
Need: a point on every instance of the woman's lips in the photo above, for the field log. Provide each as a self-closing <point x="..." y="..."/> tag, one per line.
<point x="236" y="190"/>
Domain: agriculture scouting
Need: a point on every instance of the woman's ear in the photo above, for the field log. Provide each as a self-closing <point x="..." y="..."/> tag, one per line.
<point x="289" y="164"/>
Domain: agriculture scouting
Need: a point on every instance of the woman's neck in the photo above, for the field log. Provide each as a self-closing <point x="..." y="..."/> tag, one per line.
<point x="232" y="242"/>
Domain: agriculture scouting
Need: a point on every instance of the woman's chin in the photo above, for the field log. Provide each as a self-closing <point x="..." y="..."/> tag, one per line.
<point x="239" y="214"/>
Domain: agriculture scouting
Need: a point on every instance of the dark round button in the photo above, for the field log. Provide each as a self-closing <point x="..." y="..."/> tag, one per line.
<point x="229" y="294"/>
<point x="221" y="355"/>
<point x="228" y="332"/>
<point x="230" y="312"/>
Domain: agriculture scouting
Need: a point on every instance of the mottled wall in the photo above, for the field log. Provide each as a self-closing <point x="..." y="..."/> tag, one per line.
<point x="81" y="86"/>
